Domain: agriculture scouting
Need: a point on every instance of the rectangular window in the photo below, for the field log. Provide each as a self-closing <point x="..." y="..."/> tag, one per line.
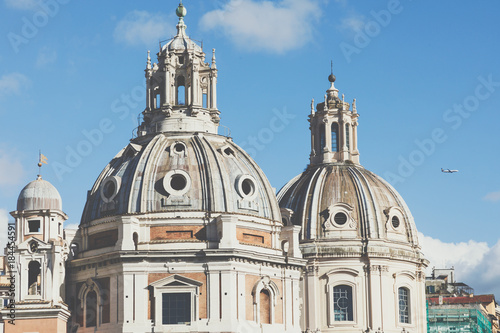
<point x="34" y="226"/>
<point x="342" y="303"/>
<point x="158" y="101"/>
<point x="176" y="308"/>
<point x="404" y="305"/>
<point x="205" y="100"/>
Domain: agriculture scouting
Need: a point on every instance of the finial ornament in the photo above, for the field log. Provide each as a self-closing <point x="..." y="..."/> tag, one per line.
<point x="181" y="11"/>
<point x="213" y="58"/>
<point x="312" y="106"/>
<point x="42" y="159"/>
<point x="149" y="61"/>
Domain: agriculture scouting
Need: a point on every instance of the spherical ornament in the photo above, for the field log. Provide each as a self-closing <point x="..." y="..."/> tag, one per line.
<point x="331" y="78"/>
<point x="181" y="11"/>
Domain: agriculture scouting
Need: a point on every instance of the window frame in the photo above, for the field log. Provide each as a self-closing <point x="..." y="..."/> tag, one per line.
<point x="265" y="283"/>
<point x="350" y="293"/>
<point x="408" y="305"/>
<point x="40" y="227"/>
<point x="175" y="284"/>
<point x="347" y="277"/>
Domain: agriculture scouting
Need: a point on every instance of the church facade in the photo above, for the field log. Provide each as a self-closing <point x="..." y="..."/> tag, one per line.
<point x="182" y="231"/>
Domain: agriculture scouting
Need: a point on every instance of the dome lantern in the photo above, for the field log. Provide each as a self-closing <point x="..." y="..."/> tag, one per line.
<point x="181" y="88"/>
<point x="333" y="129"/>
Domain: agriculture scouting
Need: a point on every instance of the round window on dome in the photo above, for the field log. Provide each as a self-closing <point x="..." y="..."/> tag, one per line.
<point x="340" y="218"/>
<point x="395" y="222"/>
<point x="109" y="188"/>
<point x="246" y="187"/>
<point x="178" y="148"/>
<point x="177" y="182"/>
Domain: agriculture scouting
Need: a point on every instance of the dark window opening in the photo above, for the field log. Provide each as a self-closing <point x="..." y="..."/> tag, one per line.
<point x="178" y="182"/>
<point x="179" y="147"/>
<point x="91" y="309"/>
<point x="347" y="142"/>
<point x="340" y="218"/>
<point x="247" y="187"/>
<point x="34" y="278"/>
<point x="34" y="226"/>
<point x="342" y="303"/>
<point x="176" y="308"/>
<point x="395" y="221"/>
<point x="181" y="60"/>
<point x="109" y="189"/>
<point x="135" y="238"/>
<point x="335" y="137"/>
<point x="228" y="151"/>
<point x="322" y="139"/>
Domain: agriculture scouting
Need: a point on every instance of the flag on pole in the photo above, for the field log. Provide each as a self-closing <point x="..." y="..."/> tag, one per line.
<point x="42" y="160"/>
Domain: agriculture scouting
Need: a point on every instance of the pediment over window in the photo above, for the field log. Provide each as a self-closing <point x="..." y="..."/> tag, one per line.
<point x="176" y="281"/>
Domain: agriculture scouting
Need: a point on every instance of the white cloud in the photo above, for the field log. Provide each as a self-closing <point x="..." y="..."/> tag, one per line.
<point x="142" y="27"/>
<point x="492" y="196"/>
<point x="46" y="56"/>
<point x="4" y="220"/>
<point x="22" y="4"/>
<point x="265" y="25"/>
<point x="13" y="83"/>
<point x="353" y="23"/>
<point x="475" y="263"/>
<point x="12" y="171"/>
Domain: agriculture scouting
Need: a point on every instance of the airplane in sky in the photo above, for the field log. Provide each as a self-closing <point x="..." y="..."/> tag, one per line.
<point x="448" y="170"/>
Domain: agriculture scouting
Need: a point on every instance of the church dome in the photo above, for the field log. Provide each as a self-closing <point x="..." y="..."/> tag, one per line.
<point x="181" y="172"/>
<point x="346" y="201"/>
<point x="39" y="194"/>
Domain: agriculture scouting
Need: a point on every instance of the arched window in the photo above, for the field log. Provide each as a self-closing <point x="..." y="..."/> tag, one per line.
<point x="322" y="139"/>
<point x="265" y="307"/>
<point x="342" y="303"/>
<point x="404" y="305"/>
<point x="34" y="278"/>
<point x="335" y="137"/>
<point x="181" y="90"/>
<point x="347" y="139"/>
<point x="91" y="309"/>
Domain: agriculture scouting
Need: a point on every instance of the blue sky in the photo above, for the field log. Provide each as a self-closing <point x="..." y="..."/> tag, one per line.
<point x="425" y="74"/>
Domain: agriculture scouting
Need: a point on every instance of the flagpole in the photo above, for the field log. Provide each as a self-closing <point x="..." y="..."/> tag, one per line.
<point x="39" y="162"/>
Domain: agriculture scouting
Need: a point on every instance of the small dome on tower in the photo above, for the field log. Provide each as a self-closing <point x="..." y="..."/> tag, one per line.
<point x="39" y="194"/>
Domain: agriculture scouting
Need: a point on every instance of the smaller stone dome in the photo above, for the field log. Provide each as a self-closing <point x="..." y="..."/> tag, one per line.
<point x="39" y="194"/>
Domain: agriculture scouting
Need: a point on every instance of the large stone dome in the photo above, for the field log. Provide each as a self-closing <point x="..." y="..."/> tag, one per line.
<point x="181" y="172"/>
<point x="39" y="194"/>
<point x="346" y="201"/>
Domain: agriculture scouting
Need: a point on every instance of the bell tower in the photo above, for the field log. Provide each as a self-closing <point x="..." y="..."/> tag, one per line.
<point x="181" y="88"/>
<point x="334" y="137"/>
<point x="40" y="253"/>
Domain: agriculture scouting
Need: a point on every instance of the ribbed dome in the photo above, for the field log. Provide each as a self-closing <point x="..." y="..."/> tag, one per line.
<point x="39" y="194"/>
<point x="345" y="201"/>
<point x="181" y="172"/>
